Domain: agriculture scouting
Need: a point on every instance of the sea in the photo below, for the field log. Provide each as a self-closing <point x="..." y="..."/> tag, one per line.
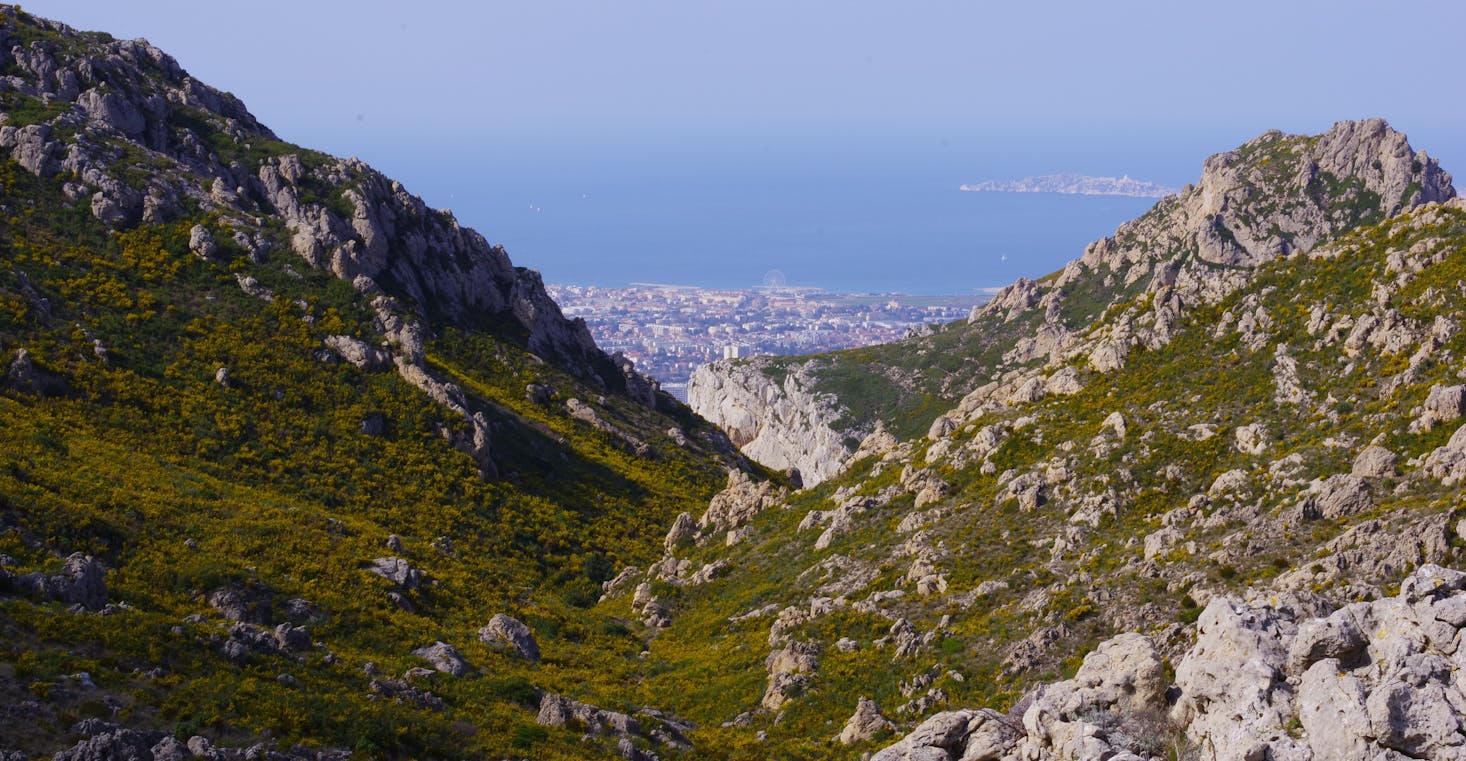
<point x="854" y="219"/>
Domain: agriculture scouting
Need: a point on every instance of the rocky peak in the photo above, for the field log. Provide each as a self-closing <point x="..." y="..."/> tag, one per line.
<point x="1277" y="194"/>
<point x="126" y="85"/>
<point x="782" y="422"/>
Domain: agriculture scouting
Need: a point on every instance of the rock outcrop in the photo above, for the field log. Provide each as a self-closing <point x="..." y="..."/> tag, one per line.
<point x="791" y="669"/>
<point x="81" y="582"/>
<point x="105" y="740"/>
<point x="444" y="658"/>
<point x="1265" y="679"/>
<point x="510" y="633"/>
<point x="782" y="423"/>
<point x="866" y="723"/>
<point x="647" y="726"/>
<point x="1375" y="462"/>
<point x="737" y="504"/>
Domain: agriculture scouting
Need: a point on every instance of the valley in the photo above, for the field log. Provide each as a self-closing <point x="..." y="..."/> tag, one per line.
<point x="294" y="466"/>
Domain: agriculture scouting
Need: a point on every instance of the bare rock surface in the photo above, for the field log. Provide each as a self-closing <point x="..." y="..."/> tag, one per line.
<point x="80" y="582"/>
<point x="513" y="634"/>
<point x="399" y="572"/>
<point x="107" y="741"/>
<point x="648" y="725"/>
<point x="1375" y="462"/>
<point x="739" y="502"/>
<point x="1448" y="462"/>
<point x="781" y="423"/>
<point x="866" y="723"/>
<point x="444" y="658"/>
<point x="791" y="670"/>
<point x="1337" y="497"/>
<point x="1265" y="679"/>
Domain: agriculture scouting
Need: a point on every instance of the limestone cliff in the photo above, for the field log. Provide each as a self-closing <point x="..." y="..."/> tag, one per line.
<point x="781" y="422"/>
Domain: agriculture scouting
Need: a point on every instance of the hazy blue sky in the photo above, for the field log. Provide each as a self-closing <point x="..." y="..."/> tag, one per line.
<point x="609" y="141"/>
<point x="382" y="78"/>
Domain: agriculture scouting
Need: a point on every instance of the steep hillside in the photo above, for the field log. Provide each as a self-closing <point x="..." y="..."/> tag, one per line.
<point x="1289" y="443"/>
<point x="271" y="425"/>
<point x="1276" y="195"/>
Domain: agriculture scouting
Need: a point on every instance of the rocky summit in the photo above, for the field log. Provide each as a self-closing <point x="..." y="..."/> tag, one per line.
<point x="294" y="466"/>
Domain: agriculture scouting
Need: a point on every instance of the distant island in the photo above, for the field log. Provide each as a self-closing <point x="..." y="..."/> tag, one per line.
<point x="1075" y="184"/>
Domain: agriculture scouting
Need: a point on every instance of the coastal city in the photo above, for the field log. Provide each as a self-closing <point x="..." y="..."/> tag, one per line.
<point x="668" y="330"/>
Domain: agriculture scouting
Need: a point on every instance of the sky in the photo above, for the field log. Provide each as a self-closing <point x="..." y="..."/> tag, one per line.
<point x="645" y="132"/>
<point x="387" y="80"/>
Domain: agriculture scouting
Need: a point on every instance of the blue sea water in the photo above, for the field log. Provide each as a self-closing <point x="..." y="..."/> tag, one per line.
<point x="842" y="220"/>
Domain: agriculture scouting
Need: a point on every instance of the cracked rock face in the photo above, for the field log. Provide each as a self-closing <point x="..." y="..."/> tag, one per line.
<point x="782" y="424"/>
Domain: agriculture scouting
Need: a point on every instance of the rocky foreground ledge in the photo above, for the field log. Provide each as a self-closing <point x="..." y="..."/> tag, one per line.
<point x="1268" y="678"/>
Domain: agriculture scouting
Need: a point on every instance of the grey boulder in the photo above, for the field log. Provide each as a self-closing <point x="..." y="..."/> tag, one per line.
<point x="506" y="631"/>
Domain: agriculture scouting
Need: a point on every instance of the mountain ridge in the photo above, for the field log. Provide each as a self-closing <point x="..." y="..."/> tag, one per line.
<point x="341" y="215"/>
<point x="1189" y="249"/>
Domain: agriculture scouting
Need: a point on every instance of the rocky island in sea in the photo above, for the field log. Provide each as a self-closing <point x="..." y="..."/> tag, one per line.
<point x="1075" y="184"/>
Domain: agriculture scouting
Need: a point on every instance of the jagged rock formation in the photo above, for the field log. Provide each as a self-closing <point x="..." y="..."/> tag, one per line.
<point x="105" y="740"/>
<point x="1266" y="678"/>
<point x="783" y="424"/>
<point x="1274" y="196"/>
<point x="728" y="514"/>
<point x="648" y="726"/>
<point x="131" y="92"/>
<point x="866" y="723"/>
<point x="80" y="582"/>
